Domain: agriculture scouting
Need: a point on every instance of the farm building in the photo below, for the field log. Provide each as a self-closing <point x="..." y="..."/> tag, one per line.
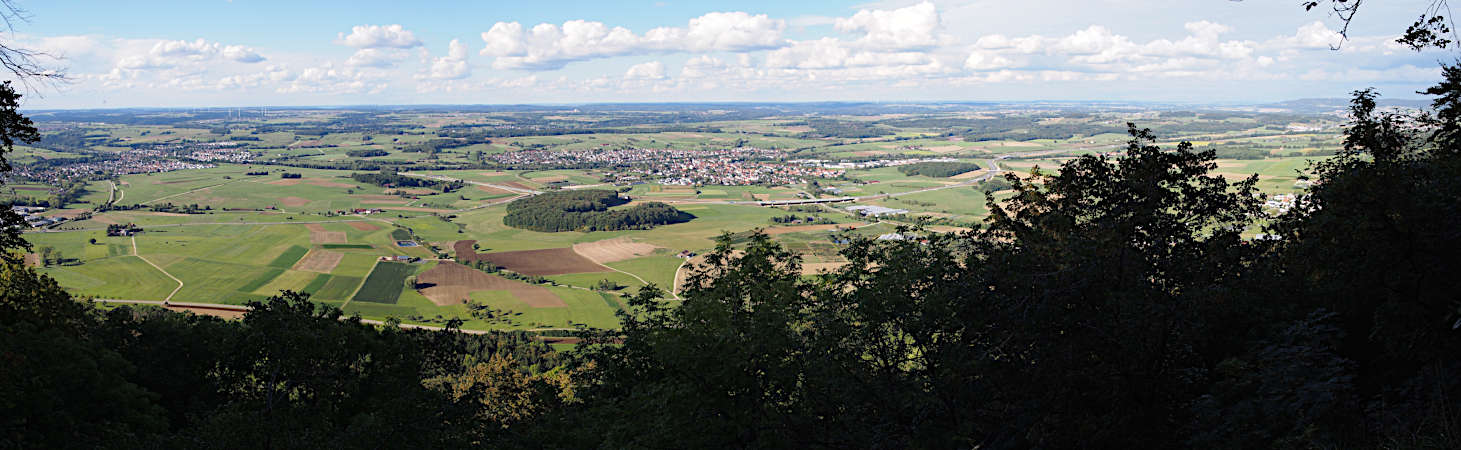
<point x="875" y="211"/>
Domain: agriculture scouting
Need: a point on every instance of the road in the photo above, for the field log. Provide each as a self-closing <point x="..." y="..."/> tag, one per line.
<point x="159" y="269"/>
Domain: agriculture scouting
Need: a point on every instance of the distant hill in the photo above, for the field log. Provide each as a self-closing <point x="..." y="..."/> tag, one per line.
<point x="1320" y="105"/>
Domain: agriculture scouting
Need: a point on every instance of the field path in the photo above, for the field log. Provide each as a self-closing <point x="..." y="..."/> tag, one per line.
<point x="159" y="269"/>
<point x="192" y="191"/>
<point x="362" y="285"/>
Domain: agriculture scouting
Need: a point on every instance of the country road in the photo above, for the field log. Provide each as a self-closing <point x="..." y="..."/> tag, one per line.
<point x="159" y="269"/>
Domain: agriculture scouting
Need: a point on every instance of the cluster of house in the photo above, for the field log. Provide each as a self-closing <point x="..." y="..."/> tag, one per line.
<point x="361" y="211"/>
<point x="732" y="172"/>
<point x="32" y="216"/>
<point x="1281" y="202"/>
<point x="124" y="163"/>
<point x="875" y="211"/>
<point x="740" y="166"/>
<point x="685" y="254"/>
<point x="401" y="258"/>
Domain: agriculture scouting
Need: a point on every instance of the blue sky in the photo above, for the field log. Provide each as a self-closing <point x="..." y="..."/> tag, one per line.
<point x="253" y="53"/>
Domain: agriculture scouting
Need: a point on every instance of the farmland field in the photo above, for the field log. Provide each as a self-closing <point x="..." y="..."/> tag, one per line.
<point x="385" y="282"/>
<point x="297" y="216"/>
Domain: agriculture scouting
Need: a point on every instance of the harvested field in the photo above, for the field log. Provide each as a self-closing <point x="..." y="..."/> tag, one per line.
<point x="293" y="201"/>
<point x="322" y="261"/>
<point x="494" y="173"/>
<point x="327" y="237"/>
<point x="314" y="227"/>
<point x="285" y="182"/>
<point x="413" y="208"/>
<point x="66" y="213"/>
<point x="162" y="214"/>
<point x="417" y="191"/>
<point x="553" y="261"/>
<point x="383" y="202"/>
<point x="611" y="250"/>
<point x="362" y="226"/>
<point x="945" y="148"/>
<point x="969" y="174"/>
<point x="492" y="190"/>
<point x="451" y="283"/>
<point x="227" y="314"/>
<point x="804" y="228"/>
<point x="550" y="179"/>
<point x="516" y="185"/>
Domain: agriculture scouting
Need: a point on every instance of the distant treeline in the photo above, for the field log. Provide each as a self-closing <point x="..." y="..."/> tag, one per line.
<point x="938" y="169"/>
<point x="473" y="131"/>
<point x="392" y="179"/>
<point x="367" y="153"/>
<point x="587" y="210"/>
<point x="437" y="145"/>
<point x="825" y="128"/>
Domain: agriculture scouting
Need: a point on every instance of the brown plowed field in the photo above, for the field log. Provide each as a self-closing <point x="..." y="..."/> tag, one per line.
<point x="611" y="250"/>
<point x="553" y="261"/>
<point x="516" y="185"/>
<point x="314" y="227"/>
<point x="322" y="261"/>
<point x="293" y="201"/>
<point x="803" y="228"/>
<point x="492" y="190"/>
<point x="327" y="237"/>
<point x="413" y="208"/>
<point x="362" y="226"/>
<point x="452" y="283"/>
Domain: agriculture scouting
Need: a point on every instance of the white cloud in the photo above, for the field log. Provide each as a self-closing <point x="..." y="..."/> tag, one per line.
<point x="904" y="28"/>
<point x="721" y="31"/>
<point x="453" y="66"/>
<point x="378" y="36"/>
<point x="548" y="46"/>
<point x="986" y="60"/>
<point x="377" y="57"/>
<point x="653" y="70"/>
<point x="241" y="54"/>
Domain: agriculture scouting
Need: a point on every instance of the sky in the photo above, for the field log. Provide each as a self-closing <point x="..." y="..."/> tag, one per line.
<point x="238" y="53"/>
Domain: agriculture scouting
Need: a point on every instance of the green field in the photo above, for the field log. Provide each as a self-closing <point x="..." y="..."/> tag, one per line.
<point x="251" y="232"/>
<point x="385" y="283"/>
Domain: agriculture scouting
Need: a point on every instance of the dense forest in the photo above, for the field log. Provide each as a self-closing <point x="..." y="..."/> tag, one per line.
<point x="587" y="210"/>
<point x="937" y="169"/>
<point x="392" y="179"/>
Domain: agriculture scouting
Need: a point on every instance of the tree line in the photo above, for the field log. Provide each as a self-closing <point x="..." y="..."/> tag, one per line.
<point x="938" y="169"/>
<point x="587" y="210"/>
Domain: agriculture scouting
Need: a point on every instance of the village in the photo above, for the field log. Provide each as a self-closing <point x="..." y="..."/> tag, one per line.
<point x="740" y="166"/>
